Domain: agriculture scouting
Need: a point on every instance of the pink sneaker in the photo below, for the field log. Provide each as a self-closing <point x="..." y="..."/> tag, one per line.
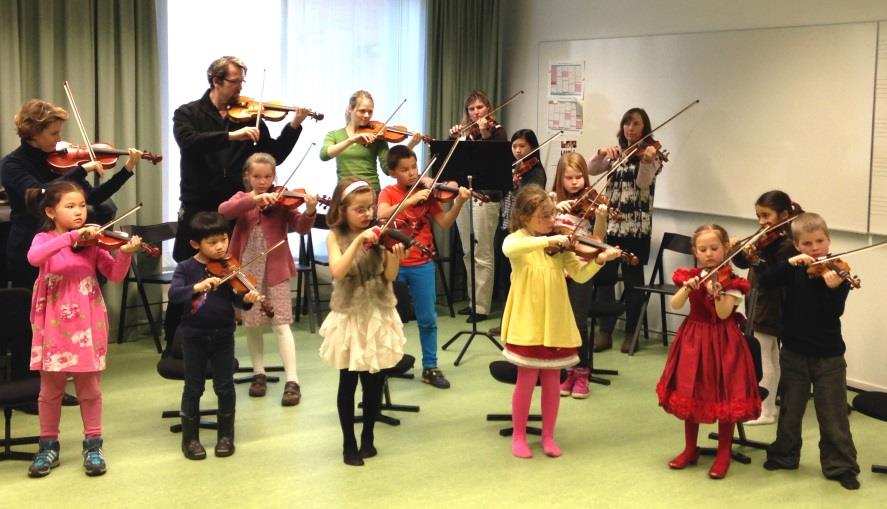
<point x="580" y="384"/>
<point x="567" y="386"/>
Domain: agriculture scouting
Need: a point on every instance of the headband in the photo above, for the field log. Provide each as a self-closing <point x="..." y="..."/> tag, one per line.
<point x="354" y="186"/>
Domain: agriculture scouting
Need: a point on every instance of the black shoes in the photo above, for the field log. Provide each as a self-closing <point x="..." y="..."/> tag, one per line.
<point x="225" y="441"/>
<point x="848" y="480"/>
<point x="477" y="317"/>
<point x="773" y="465"/>
<point x="495" y="331"/>
<point x="435" y="378"/>
<point x="70" y="400"/>
<point x="464" y="311"/>
<point x="191" y="446"/>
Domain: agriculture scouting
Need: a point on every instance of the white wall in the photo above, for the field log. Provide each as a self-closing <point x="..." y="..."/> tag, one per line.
<point x="530" y="22"/>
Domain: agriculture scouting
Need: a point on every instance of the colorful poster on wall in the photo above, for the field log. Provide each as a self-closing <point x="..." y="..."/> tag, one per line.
<point x="564" y="115"/>
<point x="566" y="80"/>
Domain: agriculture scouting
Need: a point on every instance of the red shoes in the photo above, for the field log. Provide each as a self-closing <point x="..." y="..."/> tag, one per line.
<point x="684" y="459"/>
<point x="719" y="468"/>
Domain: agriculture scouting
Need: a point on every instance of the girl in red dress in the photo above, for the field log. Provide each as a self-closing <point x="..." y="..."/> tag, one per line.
<point x="709" y="374"/>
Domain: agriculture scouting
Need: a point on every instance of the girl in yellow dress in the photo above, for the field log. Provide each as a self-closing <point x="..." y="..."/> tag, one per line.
<point x="538" y="327"/>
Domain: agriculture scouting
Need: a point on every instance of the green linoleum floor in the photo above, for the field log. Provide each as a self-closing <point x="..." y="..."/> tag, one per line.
<point x="616" y="445"/>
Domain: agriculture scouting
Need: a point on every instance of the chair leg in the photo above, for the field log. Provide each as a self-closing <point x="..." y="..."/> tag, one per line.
<point x="879" y="469"/>
<point x="122" y="322"/>
<point x="446" y="288"/>
<point x="314" y="305"/>
<point x="155" y="327"/>
<point x="297" y="312"/>
<point x="8" y="441"/>
<point x="633" y="347"/>
<point x="664" y="319"/>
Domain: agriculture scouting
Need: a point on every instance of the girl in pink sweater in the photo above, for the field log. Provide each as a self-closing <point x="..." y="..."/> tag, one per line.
<point x="69" y="318"/>
<point x="257" y="230"/>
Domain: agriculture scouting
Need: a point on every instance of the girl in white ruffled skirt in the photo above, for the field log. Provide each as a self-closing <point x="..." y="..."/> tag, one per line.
<point x="363" y="334"/>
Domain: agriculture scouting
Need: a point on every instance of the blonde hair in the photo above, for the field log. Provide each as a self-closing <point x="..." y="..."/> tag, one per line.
<point x="336" y="218"/>
<point x="354" y="99"/>
<point x="571" y="160"/>
<point x="257" y="158"/>
<point x="713" y="228"/>
<point x="809" y="222"/>
<point x="35" y="116"/>
<point x="530" y="199"/>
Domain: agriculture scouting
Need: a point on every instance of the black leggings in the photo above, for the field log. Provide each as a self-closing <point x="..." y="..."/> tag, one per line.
<point x="371" y="384"/>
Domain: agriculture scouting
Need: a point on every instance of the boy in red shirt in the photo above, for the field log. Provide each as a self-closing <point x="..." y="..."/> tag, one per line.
<point x="417" y="270"/>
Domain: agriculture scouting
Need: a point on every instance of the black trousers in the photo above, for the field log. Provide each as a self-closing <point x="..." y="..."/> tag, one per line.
<point x="216" y="350"/>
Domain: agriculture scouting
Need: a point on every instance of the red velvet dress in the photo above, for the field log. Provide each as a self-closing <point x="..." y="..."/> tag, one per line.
<point x="709" y="374"/>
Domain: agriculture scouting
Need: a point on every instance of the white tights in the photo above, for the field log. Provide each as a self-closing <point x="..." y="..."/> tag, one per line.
<point x="286" y="347"/>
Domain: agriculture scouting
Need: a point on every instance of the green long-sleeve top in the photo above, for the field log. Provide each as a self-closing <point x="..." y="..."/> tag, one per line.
<point x="356" y="160"/>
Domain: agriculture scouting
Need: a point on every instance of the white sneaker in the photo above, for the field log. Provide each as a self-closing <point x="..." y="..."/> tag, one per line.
<point x="763" y="420"/>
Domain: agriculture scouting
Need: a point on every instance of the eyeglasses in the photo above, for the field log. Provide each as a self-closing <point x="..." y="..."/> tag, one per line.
<point x="235" y="82"/>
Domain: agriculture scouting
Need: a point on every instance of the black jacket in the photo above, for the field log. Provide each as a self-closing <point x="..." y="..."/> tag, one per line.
<point x="211" y="165"/>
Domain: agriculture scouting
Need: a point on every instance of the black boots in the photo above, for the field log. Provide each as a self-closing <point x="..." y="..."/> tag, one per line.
<point x="225" y="443"/>
<point x="191" y="446"/>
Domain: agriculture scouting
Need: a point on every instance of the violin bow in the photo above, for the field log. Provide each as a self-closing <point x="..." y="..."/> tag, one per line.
<point x="464" y="130"/>
<point x="283" y="186"/>
<point x="537" y="149"/>
<point x="76" y="112"/>
<point x="261" y="106"/>
<point x="852" y="251"/>
<point x="117" y="219"/>
<point x="632" y="149"/>
<point x="764" y="231"/>
<point x="385" y="124"/>
<point x="729" y="257"/>
<point x="236" y="271"/>
<point x="400" y="206"/>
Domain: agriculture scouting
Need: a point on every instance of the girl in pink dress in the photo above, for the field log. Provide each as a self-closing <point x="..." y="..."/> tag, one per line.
<point x="69" y="319"/>
<point x="260" y="225"/>
<point x="709" y="374"/>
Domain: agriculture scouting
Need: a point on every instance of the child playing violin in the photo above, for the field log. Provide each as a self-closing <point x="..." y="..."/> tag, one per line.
<point x="261" y="223"/>
<point x="208" y="332"/>
<point x="771" y="208"/>
<point x="69" y="318"/>
<point x="417" y="270"/>
<point x="523" y="141"/>
<point x="538" y="328"/>
<point x="356" y="152"/>
<point x="362" y="334"/>
<point x="570" y="181"/>
<point x="812" y="353"/>
<point x="709" y="374"/>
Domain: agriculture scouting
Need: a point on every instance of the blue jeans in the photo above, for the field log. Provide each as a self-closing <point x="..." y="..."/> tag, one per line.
<point x="213" y="350"/>
<point x="422" y="281"/>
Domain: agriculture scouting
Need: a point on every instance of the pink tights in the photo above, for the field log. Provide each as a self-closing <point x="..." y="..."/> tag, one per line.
<point x="49" y="403"/>
<point x="520" y="409"/>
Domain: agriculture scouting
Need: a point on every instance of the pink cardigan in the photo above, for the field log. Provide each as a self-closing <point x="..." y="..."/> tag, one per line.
<point x="279" y="266"/>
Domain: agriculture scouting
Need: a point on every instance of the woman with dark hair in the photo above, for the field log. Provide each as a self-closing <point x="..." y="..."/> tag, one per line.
<point x="630" y="189"/>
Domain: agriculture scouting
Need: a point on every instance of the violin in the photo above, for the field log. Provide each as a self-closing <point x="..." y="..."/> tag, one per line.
<point x="839" y="266"/>
<point x="445" y="192"/>
<point x="642" y="147"/>
<point x="586" y="247"/>
<point x="398" y="231"/>
<point x="474" y="131"/>
<point x="246" y="109"/>
<point x="525" y="166"/>
<point x="590" y="200"/>
<point x="228" y="268"/>
<point x="391" y="134"/>
<point x="292" y="199"/>
<point x="67" y="156"/>
<point x="112" y="240"/>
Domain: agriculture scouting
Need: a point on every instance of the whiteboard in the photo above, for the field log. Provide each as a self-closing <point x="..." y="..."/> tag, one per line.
<point x="787" y="108"/>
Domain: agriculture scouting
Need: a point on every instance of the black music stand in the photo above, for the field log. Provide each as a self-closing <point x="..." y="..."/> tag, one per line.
<point x="497" y="158"/>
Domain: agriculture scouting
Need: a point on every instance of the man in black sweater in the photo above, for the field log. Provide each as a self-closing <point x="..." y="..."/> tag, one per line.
<point x="213" y="150"/>
<point x="812" y="353"/>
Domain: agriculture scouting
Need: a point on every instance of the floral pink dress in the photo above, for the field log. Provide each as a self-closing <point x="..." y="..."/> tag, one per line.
<point x="68" y="314"/>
